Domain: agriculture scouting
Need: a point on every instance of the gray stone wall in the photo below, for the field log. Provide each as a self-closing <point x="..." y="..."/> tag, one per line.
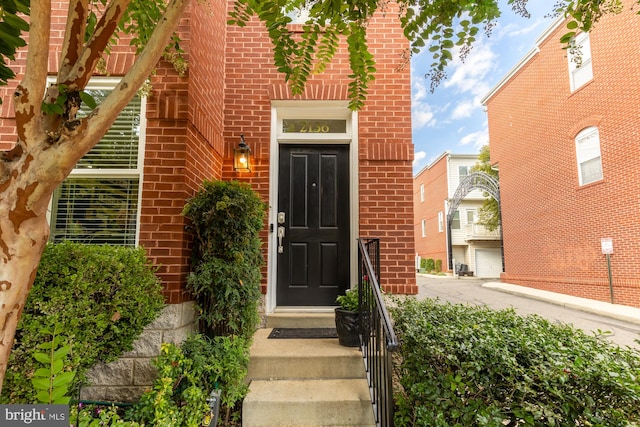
<point x="125" y="379"/>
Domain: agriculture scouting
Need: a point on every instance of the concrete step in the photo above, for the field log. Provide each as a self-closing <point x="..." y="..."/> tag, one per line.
<point x="316" y="319"/>
<point x="336" y="402"/>
<point x="305" y="382"/>
<point x="302" y="358"/>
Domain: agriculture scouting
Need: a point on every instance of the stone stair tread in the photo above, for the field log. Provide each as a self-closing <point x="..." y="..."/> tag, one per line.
<point x="302" y="358"/>
<point x="327" y="402"/>
<point x="299" y="347"/>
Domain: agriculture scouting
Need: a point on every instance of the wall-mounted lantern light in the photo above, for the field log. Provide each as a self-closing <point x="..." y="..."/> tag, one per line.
<point x="242" y="156"/>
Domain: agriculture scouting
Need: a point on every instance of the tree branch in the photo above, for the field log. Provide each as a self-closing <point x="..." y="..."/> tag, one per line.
<point x="30" y="91"/>
<point x="74" y="37"/>
<point x="83" y="67"/>
<point x="98" y="123"/>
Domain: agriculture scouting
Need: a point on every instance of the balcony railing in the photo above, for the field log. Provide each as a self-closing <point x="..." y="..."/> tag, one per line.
<point x="480" y="232"/>
<point x="377" y="338"/>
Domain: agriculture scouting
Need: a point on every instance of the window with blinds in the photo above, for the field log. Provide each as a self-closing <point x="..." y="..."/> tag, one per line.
<point x="588" y="156"/>
<point x="580" y="67"/>
<point x="99" y="202"/>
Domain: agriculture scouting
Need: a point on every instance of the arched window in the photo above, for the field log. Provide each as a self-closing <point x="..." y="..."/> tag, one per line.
<point x="588" y="155"/>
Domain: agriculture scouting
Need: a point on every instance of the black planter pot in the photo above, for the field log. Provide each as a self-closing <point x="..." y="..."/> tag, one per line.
<point x="347" y="327"/>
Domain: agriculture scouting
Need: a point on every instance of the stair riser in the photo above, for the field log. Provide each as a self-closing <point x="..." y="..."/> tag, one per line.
<point x="313" y="320"/>
<point x="280" y="368"/>
<point x="267" y="414"/>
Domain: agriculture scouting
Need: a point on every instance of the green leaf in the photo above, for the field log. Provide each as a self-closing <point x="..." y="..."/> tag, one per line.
<point x="42" y="358"/>
<point x="61" y="352"/>
<point x="88" y="99"/>
<point x="63" y="378"/>
<point x="58" y="393"/>
<point x="42" y="372"/>
<point x="41" y="383"/>
<point x="58" y="366"/>
<point x="43" y="396"/>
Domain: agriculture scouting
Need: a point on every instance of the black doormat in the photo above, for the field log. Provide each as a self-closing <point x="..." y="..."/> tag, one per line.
<point x="284" y="333"/>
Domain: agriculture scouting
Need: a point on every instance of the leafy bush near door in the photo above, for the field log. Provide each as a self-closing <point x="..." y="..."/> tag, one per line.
<point x="99" y="297"/>
<point x="186" y="376"/>
<point x="464" y="365"/>
<point x="226" y="218"/>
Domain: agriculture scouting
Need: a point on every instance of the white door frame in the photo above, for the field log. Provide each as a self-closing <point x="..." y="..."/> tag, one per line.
<point x="312" y="110"/>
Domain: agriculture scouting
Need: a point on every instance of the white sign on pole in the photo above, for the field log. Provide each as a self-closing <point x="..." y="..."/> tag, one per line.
<point x="607" y="245"/>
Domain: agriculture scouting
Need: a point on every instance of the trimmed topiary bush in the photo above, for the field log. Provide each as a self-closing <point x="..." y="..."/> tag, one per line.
<point x="431" y="265"/>
<point x="472" y="366"/>
<point x="226" y="218"/>
<point x="99" y="297"/>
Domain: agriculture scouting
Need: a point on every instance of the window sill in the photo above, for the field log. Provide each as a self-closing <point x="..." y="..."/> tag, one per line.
<point x="591" y="184"/>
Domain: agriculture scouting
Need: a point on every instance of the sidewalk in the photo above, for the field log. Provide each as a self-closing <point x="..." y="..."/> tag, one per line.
<point x="615" y="311"/>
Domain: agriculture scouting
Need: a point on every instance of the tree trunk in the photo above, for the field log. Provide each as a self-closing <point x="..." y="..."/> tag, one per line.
<point x="20" y="250"/>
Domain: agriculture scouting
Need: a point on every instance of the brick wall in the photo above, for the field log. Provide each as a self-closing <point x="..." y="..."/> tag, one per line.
<point x="552" y="226"/>
<point x="386" y="150"/>
<point x="436" y="184"/>
<point x="194" y="123"/>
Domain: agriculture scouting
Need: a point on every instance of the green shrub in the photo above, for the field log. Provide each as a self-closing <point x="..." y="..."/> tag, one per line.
<point x="423" y="263"/>
<point x="99" y="297"/>
<point x="472" y="366"/>
<point x="431" y="265"/>
<point x="188" y="374"/>
<point x="438" y="265"/>
<point x="226" y="219"/>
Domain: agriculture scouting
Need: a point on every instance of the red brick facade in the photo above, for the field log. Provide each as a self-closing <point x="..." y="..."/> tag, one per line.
<point x="193" y="124"/>
<point x="552" y="225"/>
<point x="434" y="180"/>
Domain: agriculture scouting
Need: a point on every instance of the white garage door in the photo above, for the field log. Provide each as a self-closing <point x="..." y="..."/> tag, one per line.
<point x="488" y="263"/>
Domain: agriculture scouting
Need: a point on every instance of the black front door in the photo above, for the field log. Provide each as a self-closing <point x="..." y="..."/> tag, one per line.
<point x="312" y="224"/>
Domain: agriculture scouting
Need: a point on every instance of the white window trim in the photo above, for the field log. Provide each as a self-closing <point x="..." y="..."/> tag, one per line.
<point x="423" y="225"/>
<point x="422" y="193"/>
<point x="440" y="221"/>
<point x="584" y="42"/>
<point x="110" y="83"/>
<point x="581" y="157"/>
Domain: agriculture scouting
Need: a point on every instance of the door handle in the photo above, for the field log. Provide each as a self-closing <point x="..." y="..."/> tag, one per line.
<point x="280" y="237"/>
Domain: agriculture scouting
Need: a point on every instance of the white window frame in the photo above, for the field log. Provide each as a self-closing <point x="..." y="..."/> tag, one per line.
<point x="109" y="83"/>
<point x="588" y="152"/>
<point x="471" y="219"/>
<point x="580" y="75"/>
<point x="456" y="218"/>
<point x="422" y="193"/>
<point x="423" y="226"/>
<point x="440" y="221"/>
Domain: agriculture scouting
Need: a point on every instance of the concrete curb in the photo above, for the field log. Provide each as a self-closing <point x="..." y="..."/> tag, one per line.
<point x="614" y="311"/>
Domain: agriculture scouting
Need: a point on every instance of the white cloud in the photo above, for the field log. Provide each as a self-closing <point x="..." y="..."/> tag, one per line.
<point x="463" y="110"/>
<point x="476" y="139"/>
<point x="421" y="112"/>
<point x="419" y="156"/>
<point x="470" y="76"/>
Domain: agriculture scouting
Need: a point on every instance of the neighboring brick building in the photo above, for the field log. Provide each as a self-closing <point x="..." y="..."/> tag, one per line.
<point x="566" y="142"/>
<point x="471" y="243"/>
<point x="185" y="131"/>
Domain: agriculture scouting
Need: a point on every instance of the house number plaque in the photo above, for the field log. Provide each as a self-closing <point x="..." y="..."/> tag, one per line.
<point x="314" y="126"/>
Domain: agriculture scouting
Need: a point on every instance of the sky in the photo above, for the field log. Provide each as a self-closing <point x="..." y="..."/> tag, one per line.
<point x="452" y="118"/>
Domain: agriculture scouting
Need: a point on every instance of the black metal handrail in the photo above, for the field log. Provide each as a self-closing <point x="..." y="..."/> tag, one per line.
<point x="377" y="338"/>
